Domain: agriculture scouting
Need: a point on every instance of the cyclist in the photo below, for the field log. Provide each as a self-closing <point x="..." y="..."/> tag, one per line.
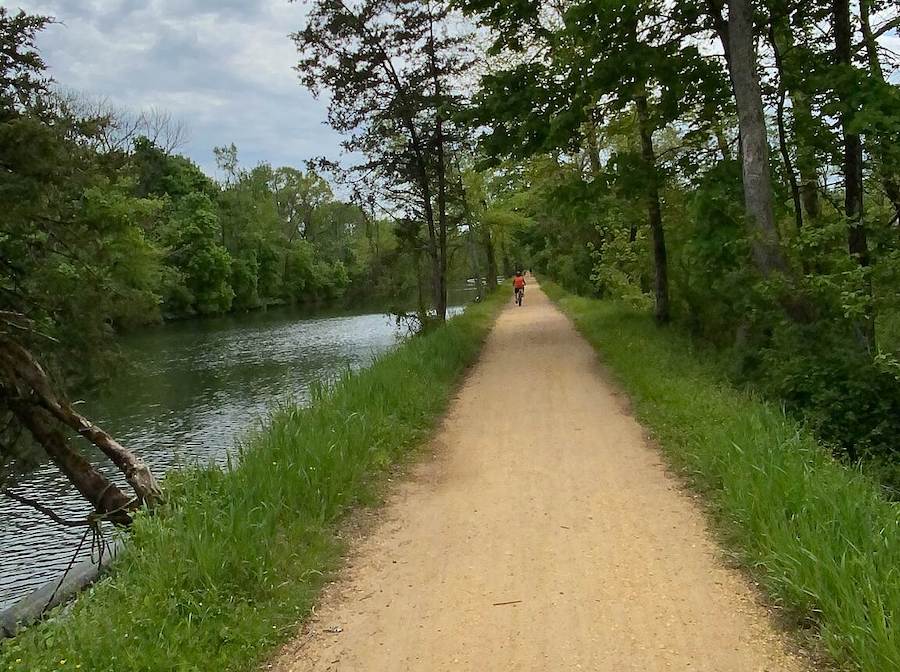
<point x="519" y="287"/>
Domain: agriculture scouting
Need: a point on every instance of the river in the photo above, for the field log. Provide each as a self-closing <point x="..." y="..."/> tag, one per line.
<point x="191" y="390"/>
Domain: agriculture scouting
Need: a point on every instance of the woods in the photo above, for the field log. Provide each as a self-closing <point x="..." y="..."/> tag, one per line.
<point x="731" y="165"/>
<point x="754" y="136"/>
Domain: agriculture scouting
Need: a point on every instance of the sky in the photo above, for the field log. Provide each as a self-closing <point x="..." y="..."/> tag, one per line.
<point x="222" y="67"/>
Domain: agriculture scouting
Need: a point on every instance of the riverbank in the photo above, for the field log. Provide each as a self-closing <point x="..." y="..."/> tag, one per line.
<point x="818" y="537"/>
<point x="193" y="390"/>
<point x="229" y="567"/>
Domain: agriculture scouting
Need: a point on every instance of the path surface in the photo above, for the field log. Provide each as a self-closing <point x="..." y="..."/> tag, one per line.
<point x="545" y="535"/>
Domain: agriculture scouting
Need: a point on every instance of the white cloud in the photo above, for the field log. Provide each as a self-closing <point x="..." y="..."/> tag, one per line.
<point x="223" y="67"/>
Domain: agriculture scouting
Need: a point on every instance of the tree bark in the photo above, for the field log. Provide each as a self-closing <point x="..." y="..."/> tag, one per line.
<point x="857" y="241"/>
<point x="807" y="166"/>
<point x="28" y="377"/>
<point x="593" y="150"/>
<point x="654" y="210"/>
<point x="722" y="143"/>
<point x="765" y="243"/>
<point x="103" y="494"/>
<point x="471" y="234"/>
<point x="870" y="41"/>
<point x="488" y="242"/>
<point x="440" y="263"/>
<point x="889" y="178"/>
<point x="441" y="299"/>
<point x="136" y="472"/>
<point x="782" y="131"/>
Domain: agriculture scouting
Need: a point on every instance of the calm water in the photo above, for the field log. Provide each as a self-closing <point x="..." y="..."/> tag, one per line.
<point x="192" y="390"/>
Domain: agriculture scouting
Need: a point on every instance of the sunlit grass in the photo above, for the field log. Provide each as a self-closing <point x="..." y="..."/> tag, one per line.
<point x="818" y="536"/>
<point x="230" y="567"/>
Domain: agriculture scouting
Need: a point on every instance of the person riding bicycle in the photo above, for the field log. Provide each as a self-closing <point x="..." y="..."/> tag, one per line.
<point x="518" y="285"/>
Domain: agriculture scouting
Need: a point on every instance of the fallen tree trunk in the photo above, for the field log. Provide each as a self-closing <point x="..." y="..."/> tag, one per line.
<point x="27" y="393"/>
<point x="103" y="494"/>
<point x="34" y="386"/>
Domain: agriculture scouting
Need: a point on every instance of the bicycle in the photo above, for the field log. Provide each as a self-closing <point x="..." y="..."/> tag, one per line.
<point x="520" y="296"/>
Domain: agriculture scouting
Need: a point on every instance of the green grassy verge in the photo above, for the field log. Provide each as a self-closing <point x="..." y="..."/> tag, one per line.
<point x="817" y="536"/>
<point x="228" y="568"/>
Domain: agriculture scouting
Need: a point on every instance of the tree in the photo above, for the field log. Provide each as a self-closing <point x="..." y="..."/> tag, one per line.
<point x="596" y="61"/>
<point x="298" y="195"/>
<point x="22" y="80"/>
<point x="391" y="67"/>
<point x="888" y="159"/>
<point x="852" y="164"/>
<point x="742" y="63"/>
<point x="73" y="258"/>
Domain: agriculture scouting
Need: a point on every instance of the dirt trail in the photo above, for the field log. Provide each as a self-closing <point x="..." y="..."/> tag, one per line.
<point x="544" y="535"/>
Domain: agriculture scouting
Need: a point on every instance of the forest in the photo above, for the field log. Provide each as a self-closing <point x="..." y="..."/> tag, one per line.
<point x="107" y="229"/>
<point x="733" y="168"/>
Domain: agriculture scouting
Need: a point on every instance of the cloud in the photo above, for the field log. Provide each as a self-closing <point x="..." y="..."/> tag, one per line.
<point x="223" y="67"/>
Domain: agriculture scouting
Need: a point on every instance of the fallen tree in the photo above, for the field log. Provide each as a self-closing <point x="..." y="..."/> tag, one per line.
<point x="29" y="401"/>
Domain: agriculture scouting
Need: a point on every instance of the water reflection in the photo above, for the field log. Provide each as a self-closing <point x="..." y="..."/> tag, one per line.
<point x="193" y="389"/>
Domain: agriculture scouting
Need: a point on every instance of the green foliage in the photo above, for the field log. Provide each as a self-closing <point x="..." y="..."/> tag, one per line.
<point x="194" y="249"/>
<point x="232" y="564"/>
<point x="621" y="113"/>
<point x="100" y="233"/>
<point x="849" y="399"/>
<point x="816" y="535"/>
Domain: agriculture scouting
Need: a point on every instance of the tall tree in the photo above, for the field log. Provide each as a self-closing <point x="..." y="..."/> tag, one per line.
<point x="742" y="63"/>
<point x="852" y="162"/>
<point x="886" y="155"/>
<point x="392" y="68"/>
<point x="66" y="236"/>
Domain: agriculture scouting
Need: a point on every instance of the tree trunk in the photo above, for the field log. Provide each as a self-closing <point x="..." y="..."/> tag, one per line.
<point x="508" y="269"/>
<point x="471" y="235"/>
<point x="722" y="143"/>
<point x="473" y="260"/>
<point x="870" y="41"/>
<point x="441" y="304"/>
<point x="488" y="242"/>
<point x="102" y="493"/>
<point x="782" y="131"/>
<point x="440" y="261"/>
<point x="136" y="472"/>
<point x="32" y="383"/>
<point x="765" y="243"/>
<point x="889" y="178"/>
<point x="654" y="211"/>
<point x="807" y="166"/>
<point x="852" y="168"/>
<point x="593" y="150"/>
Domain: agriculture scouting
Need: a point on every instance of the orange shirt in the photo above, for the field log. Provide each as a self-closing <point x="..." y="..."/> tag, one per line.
<point x="519" y="282"/>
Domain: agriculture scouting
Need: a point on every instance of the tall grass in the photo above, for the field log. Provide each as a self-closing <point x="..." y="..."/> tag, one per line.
<point x="817" y="536"/>
<point x="232" y="563"/>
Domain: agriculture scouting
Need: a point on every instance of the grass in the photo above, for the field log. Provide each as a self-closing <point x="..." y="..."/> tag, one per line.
<point x="231" y="565"/>
<point x="817" y="536"/>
